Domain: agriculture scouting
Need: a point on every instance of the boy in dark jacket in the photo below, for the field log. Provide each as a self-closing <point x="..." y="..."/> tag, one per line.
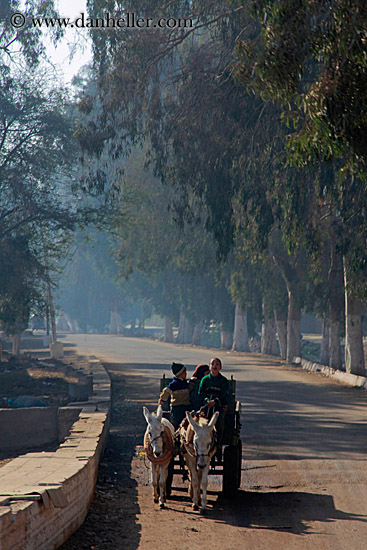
<point x="179" y="392"/>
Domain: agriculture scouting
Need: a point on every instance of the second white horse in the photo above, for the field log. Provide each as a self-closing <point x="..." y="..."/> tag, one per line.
<point x="199" y="447"/>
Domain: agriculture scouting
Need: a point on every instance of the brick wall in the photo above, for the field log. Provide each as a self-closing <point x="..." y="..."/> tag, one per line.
<point x="44" y="497"/>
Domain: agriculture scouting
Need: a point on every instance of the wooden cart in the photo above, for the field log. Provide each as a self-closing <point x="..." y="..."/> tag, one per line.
<point x="230" y="465"/>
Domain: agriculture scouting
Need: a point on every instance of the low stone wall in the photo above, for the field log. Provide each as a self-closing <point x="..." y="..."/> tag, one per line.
<point x="66" y="418"/>
<point x="338" y="375"/>
<point x="28" y="428"/>
<point x="44" y="497"/>
<point x="35" y="427"/>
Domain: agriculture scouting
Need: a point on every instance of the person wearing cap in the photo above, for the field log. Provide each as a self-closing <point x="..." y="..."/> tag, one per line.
<point x="179" y="392"/>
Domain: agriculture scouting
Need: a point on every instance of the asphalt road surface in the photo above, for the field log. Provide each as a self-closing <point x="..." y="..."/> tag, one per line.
<point x="304" y="470"/>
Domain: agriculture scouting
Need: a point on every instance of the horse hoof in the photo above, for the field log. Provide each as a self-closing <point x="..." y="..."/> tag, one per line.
<point x="203" y="511"/>
<point x="195" y="507"/>
<point x="162" y="505"/>
<point x="156" y="500"/>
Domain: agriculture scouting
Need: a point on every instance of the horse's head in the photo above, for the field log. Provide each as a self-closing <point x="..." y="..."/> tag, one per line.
<point x="203" y="438"/>
<point x="155" y="430"/>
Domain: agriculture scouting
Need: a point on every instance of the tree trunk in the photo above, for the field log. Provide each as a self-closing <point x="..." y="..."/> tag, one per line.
<point x="180" y="333"/>
<point x="16" y="344"/>
<point x="281" y="324"/>
<point x="69" y="322"/>
<point x="336" y="307"/>
<point x="113" y="326"/>
<point x="141" y="324"/>
<point x="240" y="335"/>
<point x="335" y="352"/>
<point x="268" y="335"/>
<point x="336" y="304"/>
<point x="188" y="331"/>
<point x="293" y="324"/>
<point x="226" y="339"/>
<point x="291" y="275"/>
<point x="168" y="331"/>
<point x="115" y="323"/>
<point x="325" y="345"/>
<point x="47" y="319"/>
<point x="354" y="356"/>
<point x="52" y="314"/>
<point x="198" y="330"/>
<point x="185" y="330"/>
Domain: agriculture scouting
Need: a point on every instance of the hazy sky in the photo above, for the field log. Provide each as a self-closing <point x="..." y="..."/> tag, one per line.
<point x="61" y="56"/>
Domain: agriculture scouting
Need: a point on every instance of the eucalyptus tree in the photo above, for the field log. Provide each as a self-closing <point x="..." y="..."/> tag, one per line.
<point x="21" y="41"/>
<point x="140" y="79"/>
<point x="208" y="137"/>
<point x="38" y="208"/>
<point x="312" y="58"/>
<point x="177" y="260"/>
<point x="35" y="144"/>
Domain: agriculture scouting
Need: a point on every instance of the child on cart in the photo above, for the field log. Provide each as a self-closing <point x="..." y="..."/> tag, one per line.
<point x="199" y="373"/>
<point x="179" y="392"/>
<point x="215" y="395"/>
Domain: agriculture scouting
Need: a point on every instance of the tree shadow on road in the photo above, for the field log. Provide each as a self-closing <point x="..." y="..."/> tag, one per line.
<point x="299" y="420"/>
<point x="292" y="512"/>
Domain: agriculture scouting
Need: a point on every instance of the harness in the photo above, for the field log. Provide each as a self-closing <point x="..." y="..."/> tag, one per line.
<point x="188" y="447"/>
<point x="167" y="447"/>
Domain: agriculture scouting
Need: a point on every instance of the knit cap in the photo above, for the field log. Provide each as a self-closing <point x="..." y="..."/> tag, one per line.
<point x="177" y="368"/>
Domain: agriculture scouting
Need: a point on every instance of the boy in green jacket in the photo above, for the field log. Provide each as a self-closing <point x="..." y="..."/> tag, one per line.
<point x="215" y="394"/>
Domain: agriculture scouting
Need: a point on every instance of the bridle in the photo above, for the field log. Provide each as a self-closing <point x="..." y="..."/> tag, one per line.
<point x="191" y="448"/>
<point x="211" y="448"/>
<point x="167" y="446"/>
<point x="155" y="438"/>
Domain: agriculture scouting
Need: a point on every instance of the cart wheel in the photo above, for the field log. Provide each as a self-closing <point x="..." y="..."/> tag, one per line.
<point x="230" y="470"/>
<point x="239" y="463"/>
<point x="169" y="478"/>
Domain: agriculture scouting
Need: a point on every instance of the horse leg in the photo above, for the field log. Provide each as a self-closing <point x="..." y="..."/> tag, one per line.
<point x="200" y="476"/>
<point x="191" y="492"/>
<point x="204" y="485"/>
<point x="155" y="473"/>
<point x="162" y="485"/>
<point x="194" y="482"/>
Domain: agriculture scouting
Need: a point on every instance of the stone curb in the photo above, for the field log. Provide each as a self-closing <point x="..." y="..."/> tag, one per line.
<point x="340" y="376"/>
<point x="44" y="497"/>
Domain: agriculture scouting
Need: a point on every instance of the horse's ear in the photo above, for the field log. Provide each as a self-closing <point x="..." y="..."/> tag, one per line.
<point x="146" y="414"/>
<point x="191" y="420"/>
<point x="213" y="420"/>
<point x="159" y="413"/>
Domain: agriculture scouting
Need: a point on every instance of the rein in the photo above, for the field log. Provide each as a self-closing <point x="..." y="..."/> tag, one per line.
<point x="167" y="447"/>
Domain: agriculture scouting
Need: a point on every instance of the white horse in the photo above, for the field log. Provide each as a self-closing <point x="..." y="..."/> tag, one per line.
<point x="158" y="446"/>
<point x="199" y="447"/>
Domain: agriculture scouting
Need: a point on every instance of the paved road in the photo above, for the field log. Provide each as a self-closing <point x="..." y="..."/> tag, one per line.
<point x="304" y="483"/>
